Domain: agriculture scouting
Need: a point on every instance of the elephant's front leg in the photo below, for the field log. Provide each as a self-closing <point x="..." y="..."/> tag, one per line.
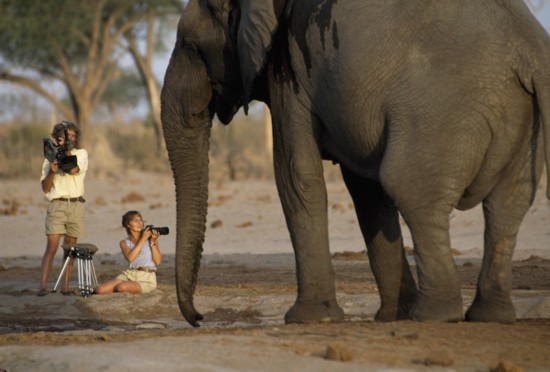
<point x="302" y="190"/>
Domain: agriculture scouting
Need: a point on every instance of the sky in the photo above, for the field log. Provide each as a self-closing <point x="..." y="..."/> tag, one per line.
<point x="544" y="16"/>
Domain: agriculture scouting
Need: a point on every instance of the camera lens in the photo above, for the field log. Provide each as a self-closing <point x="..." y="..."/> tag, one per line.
<point x="160" y="230"/>
<point x="163" y="230"/>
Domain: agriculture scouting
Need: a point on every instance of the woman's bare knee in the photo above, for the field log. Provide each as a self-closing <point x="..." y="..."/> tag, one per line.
<point x="130" y="287"/>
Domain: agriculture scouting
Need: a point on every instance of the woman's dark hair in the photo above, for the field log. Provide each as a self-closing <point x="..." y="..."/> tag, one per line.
<point x="59" y="131"/>
<point x="126" y="218"/>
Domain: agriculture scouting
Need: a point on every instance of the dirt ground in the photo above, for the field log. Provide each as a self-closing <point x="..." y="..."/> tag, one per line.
<point x="243" y="296"/>
<point x="243" y="302"/>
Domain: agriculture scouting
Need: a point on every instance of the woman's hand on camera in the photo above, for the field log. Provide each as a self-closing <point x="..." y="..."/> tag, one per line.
<point x="146" y="234"/>
<point x="151" y="234"/>
<point x="154" y="237"/>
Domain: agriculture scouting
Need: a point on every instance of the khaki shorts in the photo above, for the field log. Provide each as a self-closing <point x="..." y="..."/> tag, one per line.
<point x="147" y="281"/>
<point x="65" y="218"/>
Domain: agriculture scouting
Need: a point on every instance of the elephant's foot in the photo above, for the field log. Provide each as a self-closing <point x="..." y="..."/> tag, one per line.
<point x="402" y="311"/>
<point x="314" y="312"/>
<point x="440" y="309"/>
<point x="484" y="310"/>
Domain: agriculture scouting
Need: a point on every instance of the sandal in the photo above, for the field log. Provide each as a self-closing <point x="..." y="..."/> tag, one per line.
<point x="42" y="292"/>
<point x="70" y="292"/>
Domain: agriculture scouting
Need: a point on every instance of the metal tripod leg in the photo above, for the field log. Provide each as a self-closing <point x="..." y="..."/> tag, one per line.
<point x="80" y="275"/>
<point x="63" y="270"/>
<point x="91" y="276"/>
<point x="87" y="279"/>
<point x="94" y="276"/>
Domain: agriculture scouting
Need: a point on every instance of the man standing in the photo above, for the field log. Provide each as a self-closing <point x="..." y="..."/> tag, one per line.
<point x="63" y="184"/>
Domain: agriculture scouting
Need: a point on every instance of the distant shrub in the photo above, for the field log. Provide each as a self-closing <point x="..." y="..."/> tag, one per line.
<point x="21" y="150"/>
<point x="238" y="151"/>
<point x="136" y="148"/>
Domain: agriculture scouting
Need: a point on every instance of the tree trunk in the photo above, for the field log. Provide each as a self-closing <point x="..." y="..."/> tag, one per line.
<point x="154" y="102"/>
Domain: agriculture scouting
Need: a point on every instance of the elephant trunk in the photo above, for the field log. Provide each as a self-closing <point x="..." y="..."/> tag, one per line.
<point x="188" y="153"/>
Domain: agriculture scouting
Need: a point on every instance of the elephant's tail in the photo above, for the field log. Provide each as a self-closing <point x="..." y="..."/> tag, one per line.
<point x="542" y="96"/>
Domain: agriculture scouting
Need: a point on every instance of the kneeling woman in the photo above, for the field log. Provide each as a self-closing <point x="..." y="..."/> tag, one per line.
<point x="141" y="250"/>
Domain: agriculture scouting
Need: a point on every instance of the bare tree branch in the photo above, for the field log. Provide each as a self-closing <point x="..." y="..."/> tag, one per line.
<point x="35" y="87"/>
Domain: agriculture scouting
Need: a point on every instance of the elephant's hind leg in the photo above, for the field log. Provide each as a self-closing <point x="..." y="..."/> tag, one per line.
<point x="439" y="290"/>
<point x="379" y="221"/>
<point x="503" y="210"/>
<point x="418" y="178"/>
<point x="427" y="216"/>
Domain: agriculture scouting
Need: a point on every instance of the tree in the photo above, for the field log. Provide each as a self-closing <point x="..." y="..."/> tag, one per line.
<point x="121" y="96"/>
<point x="74" y="44"/>
<point x="154" y="15"/>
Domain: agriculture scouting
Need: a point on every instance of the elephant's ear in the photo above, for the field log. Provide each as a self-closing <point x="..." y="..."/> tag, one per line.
<point x="256" y="28"/>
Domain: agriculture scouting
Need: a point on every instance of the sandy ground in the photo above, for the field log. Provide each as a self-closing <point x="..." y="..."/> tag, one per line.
<point x="246" y="285"/>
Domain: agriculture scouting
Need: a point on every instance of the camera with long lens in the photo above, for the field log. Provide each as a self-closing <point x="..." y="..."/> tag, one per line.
<point x="52" y="152"/>
<point x="160" y="230"/>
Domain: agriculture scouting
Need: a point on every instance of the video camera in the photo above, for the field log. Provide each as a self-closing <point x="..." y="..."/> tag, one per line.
<point x="160" y="230"/>
<point x="52" y="152"/>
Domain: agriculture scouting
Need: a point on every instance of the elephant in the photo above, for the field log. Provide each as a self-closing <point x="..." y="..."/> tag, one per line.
<point x="425" y="105"/>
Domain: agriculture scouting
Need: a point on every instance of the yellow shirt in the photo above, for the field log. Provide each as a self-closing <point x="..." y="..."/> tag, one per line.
<point x="67" y="185"/>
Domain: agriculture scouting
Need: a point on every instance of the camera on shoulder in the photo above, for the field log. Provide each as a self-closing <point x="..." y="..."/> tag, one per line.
<point x="160" y="230"/>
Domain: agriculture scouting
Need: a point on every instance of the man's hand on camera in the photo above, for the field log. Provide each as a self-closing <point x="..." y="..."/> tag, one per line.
<point x="54" y="167"/>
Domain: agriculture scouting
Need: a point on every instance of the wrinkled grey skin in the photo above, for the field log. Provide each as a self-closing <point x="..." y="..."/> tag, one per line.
<point x="426" y="105"/>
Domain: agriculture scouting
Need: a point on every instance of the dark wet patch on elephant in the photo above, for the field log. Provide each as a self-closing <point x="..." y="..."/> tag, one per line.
<point x="322" y="17"/>
<point x="323" y="20"/>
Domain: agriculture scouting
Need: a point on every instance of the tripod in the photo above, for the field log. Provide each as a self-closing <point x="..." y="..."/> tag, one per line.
<point x="83" y="254"/>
